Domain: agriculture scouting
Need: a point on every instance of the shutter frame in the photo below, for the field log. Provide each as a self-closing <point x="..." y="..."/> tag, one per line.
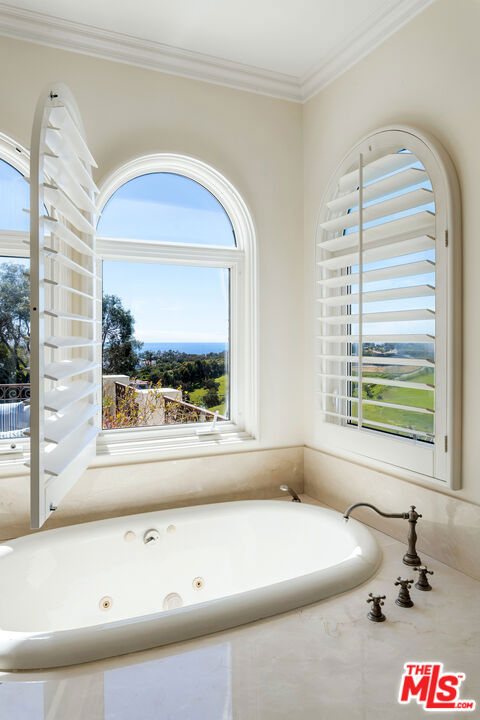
<point x="434" y="464"/>
<point x="65" y="303"/>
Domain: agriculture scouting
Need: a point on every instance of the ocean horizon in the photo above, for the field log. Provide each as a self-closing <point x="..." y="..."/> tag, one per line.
<point x="193" y="348"/>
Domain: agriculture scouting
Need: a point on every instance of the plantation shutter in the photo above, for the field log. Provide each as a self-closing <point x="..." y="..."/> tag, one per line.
<point x="65" y="303"/>
<point x="376" y="299"/>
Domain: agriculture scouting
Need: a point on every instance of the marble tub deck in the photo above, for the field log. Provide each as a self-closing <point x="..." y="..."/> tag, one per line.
<point x="321" y="661"/>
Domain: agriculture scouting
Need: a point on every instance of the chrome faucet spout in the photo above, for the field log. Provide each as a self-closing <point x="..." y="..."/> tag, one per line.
<point x="286" y="488"/>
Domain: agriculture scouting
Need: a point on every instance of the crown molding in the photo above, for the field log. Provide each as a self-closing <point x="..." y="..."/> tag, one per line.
<point x="367" y="36"/>
<point x="47" y="30"/>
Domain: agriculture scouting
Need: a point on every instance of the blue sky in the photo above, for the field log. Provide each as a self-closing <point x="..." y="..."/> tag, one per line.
<point x="186" y="304"/>
<point x="170" y="303"/>
<point x="15" y="195"/>
<point x="415" y="326"/>
<point x="167" y="208"/>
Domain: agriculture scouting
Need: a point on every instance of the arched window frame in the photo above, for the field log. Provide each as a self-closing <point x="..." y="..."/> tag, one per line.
<point x="14" y="243"/>
<point x="242" y="263"/>
<point x="440" y="465"/>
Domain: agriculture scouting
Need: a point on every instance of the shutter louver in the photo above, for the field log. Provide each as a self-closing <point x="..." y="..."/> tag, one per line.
<point x="65" y="303"/>
<point x="375" y="309"/>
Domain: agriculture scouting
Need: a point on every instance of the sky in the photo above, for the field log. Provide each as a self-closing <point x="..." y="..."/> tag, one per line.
<point x="170" y="303"/>
<point x="167" y="208"/>
<point x="186" y="304"/>
<point x="412" y="326"/>
<point x="15" y="195"/>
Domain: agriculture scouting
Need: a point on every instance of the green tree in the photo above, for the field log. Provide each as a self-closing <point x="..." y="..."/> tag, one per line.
<point x="148" y="356"/>
<point x="369" y="391"/>
<point x="14" y="323"/>
<point x="210" y="399"/>
<point x="119" y="348"/>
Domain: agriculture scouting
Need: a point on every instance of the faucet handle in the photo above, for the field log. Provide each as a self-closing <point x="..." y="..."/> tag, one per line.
<point x="407" y="584"/>
<point x="422" y="582"/>
<point x="404" y="599"/>
<point x="376" y="614"/>
<point x="376" y="598"/>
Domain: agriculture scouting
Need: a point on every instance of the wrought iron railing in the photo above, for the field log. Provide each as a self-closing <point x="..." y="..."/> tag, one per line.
<point x="14" y="392"/>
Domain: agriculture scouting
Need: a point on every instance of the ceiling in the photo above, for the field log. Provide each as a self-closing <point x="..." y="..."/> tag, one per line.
<point x="285" y="48"/>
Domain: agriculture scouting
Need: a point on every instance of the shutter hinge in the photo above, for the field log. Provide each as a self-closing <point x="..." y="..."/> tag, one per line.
<point x="446" y="238"/>
<point x="446" y="443"/>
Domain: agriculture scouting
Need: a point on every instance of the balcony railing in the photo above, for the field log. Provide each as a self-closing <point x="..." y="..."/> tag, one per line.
<point x="169" y="410"/>
<point x="14" y="392"/>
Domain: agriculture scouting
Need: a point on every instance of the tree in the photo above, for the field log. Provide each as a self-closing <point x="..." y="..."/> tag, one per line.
<point x="369" y="391"/>
<point x="148" y="356"/>
<point x="119" y="347"/>
<point x="210" y="399"/>
<point x="14" y="323"/>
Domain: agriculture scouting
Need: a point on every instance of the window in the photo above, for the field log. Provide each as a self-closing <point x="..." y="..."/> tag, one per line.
<point x="178" y="336"/>
<point x="14" y="298"/>
<point x="387" y="263"/>
<point x="69" y="325"/>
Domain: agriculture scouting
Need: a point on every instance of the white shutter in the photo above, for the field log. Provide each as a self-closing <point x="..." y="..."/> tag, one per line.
<point x="375" y="309"/>
<point x="65" y="303"/>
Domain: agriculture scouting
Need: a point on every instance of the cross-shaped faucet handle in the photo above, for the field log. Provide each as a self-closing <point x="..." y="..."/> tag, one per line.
<point x="422" y="583"/>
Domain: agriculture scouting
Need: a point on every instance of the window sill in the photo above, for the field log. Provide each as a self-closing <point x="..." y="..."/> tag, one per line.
<point x="116" y="447"/>
<point x="397" y="471"/>
<point x="12" y="462"/>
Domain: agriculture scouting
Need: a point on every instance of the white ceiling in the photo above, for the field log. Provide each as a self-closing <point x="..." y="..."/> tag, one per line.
<point x="284" y="41"/>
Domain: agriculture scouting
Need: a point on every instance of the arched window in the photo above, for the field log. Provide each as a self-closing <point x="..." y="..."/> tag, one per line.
<point x="166" y="207"/>
<point x="178" y="251"/>
<point x="14" y="296"/>
<point x="388" y="307"/>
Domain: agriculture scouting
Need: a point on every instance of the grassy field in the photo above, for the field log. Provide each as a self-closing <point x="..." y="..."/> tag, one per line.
<point x="196" y="396"/>
<point x="422" y="422"/>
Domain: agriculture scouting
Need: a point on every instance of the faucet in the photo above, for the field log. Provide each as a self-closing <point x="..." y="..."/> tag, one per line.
<point x="286" y="488"/>
<point x="411" y="557"/>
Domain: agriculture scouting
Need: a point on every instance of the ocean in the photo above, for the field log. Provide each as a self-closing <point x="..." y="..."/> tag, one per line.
<point x="186" y="347"/>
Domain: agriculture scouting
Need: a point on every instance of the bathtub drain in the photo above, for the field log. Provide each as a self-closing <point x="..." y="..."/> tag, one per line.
<point x="106" y="603"/>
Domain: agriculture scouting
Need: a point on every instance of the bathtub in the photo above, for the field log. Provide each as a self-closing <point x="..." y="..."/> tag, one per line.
<point x="97" y="590"/>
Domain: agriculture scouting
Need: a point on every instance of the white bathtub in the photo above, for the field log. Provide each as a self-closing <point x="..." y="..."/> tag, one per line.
<point x="228" y="563"/>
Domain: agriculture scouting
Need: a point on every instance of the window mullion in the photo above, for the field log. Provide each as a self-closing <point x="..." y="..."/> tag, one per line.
<point x="360" y="292"/>
<point x="166" y="253"/>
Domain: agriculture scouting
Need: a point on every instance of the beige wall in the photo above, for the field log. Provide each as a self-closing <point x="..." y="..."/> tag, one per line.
<point x="128" y="489"/>
<point x="426" y="75"/>
<point x="255" y="142"/>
